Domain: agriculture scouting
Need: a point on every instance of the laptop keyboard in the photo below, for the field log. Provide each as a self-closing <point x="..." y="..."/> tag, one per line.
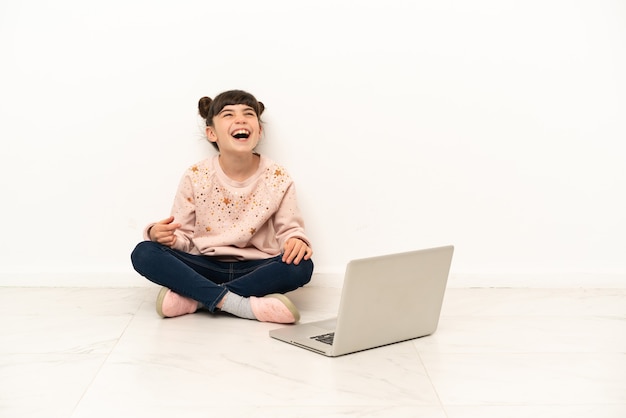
<point x="325" y="338"/>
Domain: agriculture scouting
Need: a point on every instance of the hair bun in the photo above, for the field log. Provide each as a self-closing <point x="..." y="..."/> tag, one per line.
<point x="203" y="106"/>
<point x="261" y="108"/>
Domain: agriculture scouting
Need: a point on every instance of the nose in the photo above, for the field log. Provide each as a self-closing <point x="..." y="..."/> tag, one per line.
<point x="239" y="117"/>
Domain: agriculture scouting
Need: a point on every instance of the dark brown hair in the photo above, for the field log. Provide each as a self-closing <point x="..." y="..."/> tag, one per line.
<point x="208" y="107"/>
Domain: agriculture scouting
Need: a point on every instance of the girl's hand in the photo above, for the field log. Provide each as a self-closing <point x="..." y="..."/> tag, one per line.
<point x="296" y="250"/>
<point x="163" y="232"/>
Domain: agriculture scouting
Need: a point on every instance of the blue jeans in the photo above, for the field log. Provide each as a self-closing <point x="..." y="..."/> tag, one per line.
<point x="206" y="280"/>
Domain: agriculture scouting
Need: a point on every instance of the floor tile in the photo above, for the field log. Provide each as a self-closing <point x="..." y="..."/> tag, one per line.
<point x="527" y="334"/>
<point x="537" y="411"/>
<point x="55" y="301"/>
<point x="271" y="374"/>
<point x="77" y="353"/>
<point x="527" y="378"/>
<point x="45" y="385"/>
<point x="52" y="334"/>
<point x="534" y="302"/>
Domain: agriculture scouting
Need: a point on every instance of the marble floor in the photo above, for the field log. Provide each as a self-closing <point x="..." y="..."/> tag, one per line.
<point x="86" y="352"/>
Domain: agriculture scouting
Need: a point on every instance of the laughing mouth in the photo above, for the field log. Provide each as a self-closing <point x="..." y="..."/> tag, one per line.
<point x="241" y="134"/>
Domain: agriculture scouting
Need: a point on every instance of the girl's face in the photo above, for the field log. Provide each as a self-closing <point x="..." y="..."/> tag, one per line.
<point x="236" y="128"/>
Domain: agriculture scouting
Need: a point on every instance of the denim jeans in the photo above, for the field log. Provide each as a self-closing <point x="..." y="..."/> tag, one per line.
<point x="206" y="280"/>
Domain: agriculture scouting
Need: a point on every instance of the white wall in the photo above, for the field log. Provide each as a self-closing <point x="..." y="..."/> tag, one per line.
<point x="496" y="126"/>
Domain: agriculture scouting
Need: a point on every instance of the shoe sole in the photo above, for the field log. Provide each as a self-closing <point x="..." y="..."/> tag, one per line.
<point x="159" y="301"/>
<point x="288" y="303"/>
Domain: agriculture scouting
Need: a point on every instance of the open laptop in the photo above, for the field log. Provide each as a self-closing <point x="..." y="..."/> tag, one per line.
<point x="384" y="300"/>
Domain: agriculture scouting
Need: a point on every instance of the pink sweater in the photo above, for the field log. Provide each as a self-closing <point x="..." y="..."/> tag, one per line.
<point x="234" y="220"/>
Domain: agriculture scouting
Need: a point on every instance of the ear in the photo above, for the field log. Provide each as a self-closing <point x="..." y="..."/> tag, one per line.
<point x="210" y="134"/>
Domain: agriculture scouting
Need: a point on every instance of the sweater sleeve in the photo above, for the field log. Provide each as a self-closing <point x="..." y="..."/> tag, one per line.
<point x="184" y="212"/>
<point x="288" y="220"/>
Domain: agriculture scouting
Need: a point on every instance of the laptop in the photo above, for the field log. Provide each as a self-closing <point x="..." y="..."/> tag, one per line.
<point x="384" y="300"/>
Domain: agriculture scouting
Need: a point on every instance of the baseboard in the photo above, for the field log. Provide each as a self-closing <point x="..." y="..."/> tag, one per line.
<point x="72" y="279"/>
<point x="327" y="279"/>
<point x="539" y="280"/>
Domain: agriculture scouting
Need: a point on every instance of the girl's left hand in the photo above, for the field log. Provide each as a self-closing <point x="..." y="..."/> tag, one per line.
<point x="296" y="250"/>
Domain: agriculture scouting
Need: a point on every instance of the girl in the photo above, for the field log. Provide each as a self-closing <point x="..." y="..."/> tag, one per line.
<point x="235" y="240"/>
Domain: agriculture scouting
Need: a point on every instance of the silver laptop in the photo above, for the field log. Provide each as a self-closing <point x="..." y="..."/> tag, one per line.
<point x="384" y="300"/>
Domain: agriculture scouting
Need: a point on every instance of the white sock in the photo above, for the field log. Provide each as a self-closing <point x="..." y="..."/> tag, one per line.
<point x="238" y="306"/>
